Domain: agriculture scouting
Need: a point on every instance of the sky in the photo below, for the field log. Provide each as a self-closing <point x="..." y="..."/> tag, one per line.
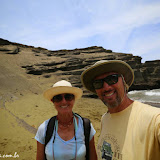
<point x="126" y="26"/>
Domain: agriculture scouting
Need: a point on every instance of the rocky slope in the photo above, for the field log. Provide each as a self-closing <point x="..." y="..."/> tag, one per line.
<point x="45" y="66"/>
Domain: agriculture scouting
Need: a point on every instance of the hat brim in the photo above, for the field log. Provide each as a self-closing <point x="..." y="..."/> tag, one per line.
<point x="50" y="93"/>
<point x="87" y="77"/>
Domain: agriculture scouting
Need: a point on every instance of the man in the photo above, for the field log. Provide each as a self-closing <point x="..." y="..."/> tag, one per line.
<point x="130" y="130"/>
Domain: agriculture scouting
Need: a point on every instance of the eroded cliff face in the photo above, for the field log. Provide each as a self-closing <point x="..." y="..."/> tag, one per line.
<point x="69" y="64"/>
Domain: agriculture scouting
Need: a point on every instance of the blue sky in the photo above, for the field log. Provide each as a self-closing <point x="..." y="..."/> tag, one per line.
<point x="127" y="26"/>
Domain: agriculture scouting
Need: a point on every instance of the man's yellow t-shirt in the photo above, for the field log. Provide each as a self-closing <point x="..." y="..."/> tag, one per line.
<point x="132" y="134"/>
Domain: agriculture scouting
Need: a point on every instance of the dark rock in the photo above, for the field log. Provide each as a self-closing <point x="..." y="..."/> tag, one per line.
<point x="71" y="63"/>
<point x="9" y="49"/>
<point x="4" y="42"/>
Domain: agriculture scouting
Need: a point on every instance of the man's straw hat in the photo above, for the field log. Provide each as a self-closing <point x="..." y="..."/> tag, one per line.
<point x="104" y="66"/>
<point x="61" y="87"/>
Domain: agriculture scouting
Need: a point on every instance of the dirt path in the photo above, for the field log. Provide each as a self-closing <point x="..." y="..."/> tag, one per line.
<point x="21" y="122"/>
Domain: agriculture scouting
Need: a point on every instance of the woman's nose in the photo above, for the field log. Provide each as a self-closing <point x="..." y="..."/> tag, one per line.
<point x="63" y="100"/>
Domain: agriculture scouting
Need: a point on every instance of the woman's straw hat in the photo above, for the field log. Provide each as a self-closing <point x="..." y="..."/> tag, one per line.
<point x="104" y="66"/>
<point x="61" y="87"/>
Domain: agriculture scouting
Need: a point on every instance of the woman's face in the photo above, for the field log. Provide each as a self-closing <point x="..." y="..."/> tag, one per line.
<point x="64" y="102"/>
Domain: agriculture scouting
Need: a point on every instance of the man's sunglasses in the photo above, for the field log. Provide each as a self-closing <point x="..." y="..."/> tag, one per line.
<point x="59" y="97"/>
<point x="110" y="80"/>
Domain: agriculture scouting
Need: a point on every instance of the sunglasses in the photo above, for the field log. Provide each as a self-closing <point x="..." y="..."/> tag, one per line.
<point x="110" y="80"/>
<point x="59" y="97"/>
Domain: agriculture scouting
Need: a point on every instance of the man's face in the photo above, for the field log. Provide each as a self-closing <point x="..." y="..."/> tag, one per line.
<point x="111" y="95"/>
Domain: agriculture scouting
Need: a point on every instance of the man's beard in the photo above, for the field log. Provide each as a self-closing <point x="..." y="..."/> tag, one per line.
<point x="113" y="104"/>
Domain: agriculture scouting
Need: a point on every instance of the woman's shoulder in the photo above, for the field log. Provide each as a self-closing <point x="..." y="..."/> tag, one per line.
<point x="80" y="117"/>
<point x="81" y="121"/>
<point x="43" y="125"/>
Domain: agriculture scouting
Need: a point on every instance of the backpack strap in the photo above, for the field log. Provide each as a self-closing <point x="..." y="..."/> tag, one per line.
<point x="49" y="131"/>
<point x="87" y="129"/>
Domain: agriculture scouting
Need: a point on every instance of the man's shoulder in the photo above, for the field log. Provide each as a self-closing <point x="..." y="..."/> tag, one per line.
<point x="145" y="109"/>
<point x="145" y="106"/>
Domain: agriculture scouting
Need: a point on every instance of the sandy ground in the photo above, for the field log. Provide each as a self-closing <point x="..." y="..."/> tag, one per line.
<point x="23" y="108"/>
<point x="20" y="119"/>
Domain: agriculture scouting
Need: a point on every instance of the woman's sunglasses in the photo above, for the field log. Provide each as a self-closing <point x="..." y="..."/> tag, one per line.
<point x="110" y="80"/>
<point x="59" y="97"/>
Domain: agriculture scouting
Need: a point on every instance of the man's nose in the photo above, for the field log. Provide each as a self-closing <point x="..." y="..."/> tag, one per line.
<point x="105" y="85"/>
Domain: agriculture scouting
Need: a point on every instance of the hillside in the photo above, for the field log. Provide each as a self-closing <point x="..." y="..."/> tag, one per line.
<point x="39" y="68"/>
<point x="26" y="72"/>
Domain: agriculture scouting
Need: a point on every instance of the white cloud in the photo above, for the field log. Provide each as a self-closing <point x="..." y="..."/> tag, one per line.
<point x="71" y="24"/>
<point x="145" y="44"/>
<point x="130" y="19"/>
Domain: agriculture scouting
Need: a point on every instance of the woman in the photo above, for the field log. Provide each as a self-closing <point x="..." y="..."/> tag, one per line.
<point x="68" y="140"/>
